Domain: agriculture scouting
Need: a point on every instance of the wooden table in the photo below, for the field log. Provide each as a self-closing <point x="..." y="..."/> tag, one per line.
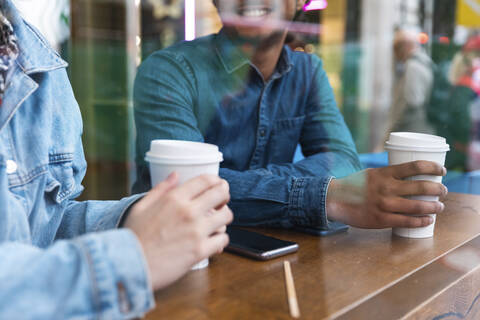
<point x="362" y="274"/>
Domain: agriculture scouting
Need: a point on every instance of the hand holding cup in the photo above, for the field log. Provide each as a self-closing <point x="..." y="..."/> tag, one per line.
<point x="178" y="226"/>
<point x="403" y="195"/>
<point x="409" y="146"/>
<point x="188" y="159"/>
<point x="375" y="198"/>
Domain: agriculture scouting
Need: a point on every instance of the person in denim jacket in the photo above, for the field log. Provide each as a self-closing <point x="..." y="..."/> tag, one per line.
<point x="245" y="91"/>
<point x="64" y="259"/>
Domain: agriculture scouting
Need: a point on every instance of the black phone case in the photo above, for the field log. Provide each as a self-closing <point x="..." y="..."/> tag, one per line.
<point x="243" y="249"/>
<point x="336" y="228"/>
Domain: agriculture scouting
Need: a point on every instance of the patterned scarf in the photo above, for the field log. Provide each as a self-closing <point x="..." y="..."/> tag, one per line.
<point x="8" y="52"/>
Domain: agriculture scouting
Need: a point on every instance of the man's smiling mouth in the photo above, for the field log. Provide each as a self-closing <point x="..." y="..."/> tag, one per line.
<point x="254" y="12"/>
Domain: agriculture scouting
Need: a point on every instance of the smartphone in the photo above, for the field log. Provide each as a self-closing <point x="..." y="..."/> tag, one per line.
<point x="258" y="246"/>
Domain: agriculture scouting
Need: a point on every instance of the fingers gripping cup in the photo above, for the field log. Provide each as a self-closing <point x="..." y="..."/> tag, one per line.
<point x="405" y="147"/>
<point x="188" y="159"/>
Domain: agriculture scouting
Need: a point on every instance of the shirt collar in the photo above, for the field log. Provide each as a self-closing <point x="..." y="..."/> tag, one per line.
<point x="35" y="54"/>
<point x="285" y="63"/>
<point x="233" y="59"/>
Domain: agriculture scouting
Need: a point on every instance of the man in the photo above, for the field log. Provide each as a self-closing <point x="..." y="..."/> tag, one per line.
<point x="62" y="259"/>
<point x="246" y="92"/>
<point x="413" y="86"/>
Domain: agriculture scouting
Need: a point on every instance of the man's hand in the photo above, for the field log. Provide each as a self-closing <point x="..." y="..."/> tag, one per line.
<point x="180" y="226"/>
<point x="374" y="198"/>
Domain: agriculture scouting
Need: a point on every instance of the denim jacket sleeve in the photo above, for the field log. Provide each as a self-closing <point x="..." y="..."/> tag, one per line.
<point x="278" y="195"/>
<point x="83" y="217"/>
<point x="117" y="279"/>
<point x="100" y="275"/>
<point x="85" y="278"/>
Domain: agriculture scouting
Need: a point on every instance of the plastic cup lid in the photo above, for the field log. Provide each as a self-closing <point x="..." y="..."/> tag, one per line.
<point x="182" y="152"/>
<point x="416" y="142"/>
<point x="178" y="148"/>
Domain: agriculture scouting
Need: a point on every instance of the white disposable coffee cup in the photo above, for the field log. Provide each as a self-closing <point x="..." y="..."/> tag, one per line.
<point x="405" y="147"/>
<point x="188" y="159"/>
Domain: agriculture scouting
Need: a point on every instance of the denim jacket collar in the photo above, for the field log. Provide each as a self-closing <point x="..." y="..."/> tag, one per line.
<point x="35" y="54"/>
<point x="233" y="59"/>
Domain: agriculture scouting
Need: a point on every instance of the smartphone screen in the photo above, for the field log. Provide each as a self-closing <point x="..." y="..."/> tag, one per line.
<point x="258" y="246"/>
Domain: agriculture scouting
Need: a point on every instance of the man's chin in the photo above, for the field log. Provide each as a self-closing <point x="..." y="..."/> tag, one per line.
<point x="258" y="36"/>
<point x="254" y="31"/>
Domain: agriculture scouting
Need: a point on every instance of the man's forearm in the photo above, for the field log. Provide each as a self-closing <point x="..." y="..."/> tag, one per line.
<point x="259" y="197"/>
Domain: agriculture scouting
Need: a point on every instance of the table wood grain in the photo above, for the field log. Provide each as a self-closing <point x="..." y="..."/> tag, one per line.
<point x="360" y="274"/>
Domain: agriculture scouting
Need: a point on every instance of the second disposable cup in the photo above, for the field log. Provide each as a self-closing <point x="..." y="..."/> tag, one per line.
<point x="188" y="159"/>
<point x="405" y="147"/>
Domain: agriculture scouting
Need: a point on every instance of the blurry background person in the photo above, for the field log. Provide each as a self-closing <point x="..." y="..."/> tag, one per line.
<point x="465" y="89"/>
<point x="463" y="59"/>
<point x="413" y="85"/>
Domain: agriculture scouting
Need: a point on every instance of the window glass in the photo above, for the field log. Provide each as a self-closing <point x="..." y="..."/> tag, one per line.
<point x="392" y="66"/>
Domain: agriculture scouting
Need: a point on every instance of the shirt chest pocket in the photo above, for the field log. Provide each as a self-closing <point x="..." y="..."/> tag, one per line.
<point x="53" y="182"/>
<point x="284" y="139"/>
<point x="60" y="181"/>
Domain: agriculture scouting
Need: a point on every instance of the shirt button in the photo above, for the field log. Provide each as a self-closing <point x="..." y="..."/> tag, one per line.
<point x="11" y="166"/>
<point x="262" y="133"/>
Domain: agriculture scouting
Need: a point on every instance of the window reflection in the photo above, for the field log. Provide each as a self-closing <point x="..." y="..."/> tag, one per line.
<point x="358" y="41"/>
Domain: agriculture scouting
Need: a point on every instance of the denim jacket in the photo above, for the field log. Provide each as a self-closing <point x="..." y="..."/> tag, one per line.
<point x="59" y="258"/>
<point x="207" y="90"/>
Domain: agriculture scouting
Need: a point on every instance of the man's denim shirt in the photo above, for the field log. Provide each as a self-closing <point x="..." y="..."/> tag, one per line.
<point x="50" y="268"/>
<point x="207" y="90"/>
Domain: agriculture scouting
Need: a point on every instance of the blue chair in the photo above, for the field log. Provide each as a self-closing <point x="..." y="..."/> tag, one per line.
<point x="373" y="160"/>
<point x="461" y="182"/>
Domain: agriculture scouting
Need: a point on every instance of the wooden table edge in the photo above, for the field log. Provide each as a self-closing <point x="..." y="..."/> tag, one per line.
<point x="393" y="283"/>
